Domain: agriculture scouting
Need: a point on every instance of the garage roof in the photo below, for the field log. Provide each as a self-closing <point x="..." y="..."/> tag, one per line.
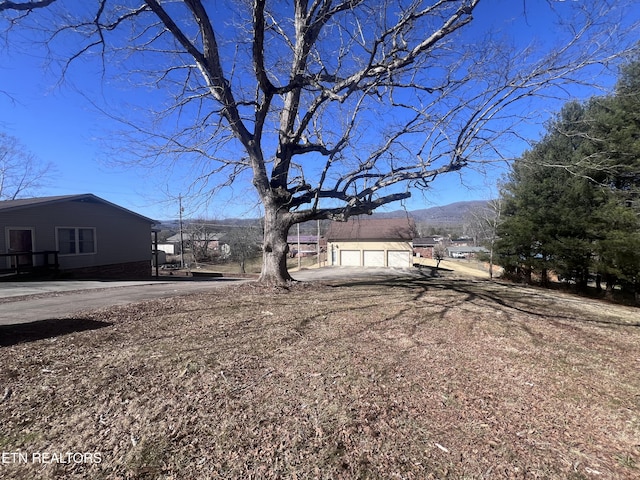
<point x="372" y="229"/>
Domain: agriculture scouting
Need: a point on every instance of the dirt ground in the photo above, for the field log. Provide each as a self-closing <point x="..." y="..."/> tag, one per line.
<point x="464" y="268"/>
<point x="383" y="378"/>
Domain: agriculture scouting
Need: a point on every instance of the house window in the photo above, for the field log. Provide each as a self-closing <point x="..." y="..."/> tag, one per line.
<point x="76" y="241"/>
<point x="86" y="240"/>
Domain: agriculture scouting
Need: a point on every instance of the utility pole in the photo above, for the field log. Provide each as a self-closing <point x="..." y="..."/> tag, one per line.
<point x="181" y="237"/>
<point x="298" y="254"/>
<point x="318" y="244"/>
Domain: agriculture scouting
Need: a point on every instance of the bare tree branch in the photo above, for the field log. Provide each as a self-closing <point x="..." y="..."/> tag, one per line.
<point x="21" y="173"/>
<point x="339" y="106"/>
<point x="24" y="6"/>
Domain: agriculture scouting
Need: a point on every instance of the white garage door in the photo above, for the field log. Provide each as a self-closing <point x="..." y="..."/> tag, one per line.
<point x="399" y="259"/>
<point x="350" y="258"/>
<point x="374" y="258"/>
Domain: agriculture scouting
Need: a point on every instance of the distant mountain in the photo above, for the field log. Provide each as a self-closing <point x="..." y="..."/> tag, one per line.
<point x="445" y="215"/>
<point x="221" y="224"/>
<point x="452" y="214"/>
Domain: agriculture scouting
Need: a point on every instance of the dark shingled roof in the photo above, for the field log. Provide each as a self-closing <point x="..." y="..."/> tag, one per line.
<point x="303" y="238"/>
<point x="20" y="203"/>
<point x="425" y="242"/>
<point x="372" y="229"/>
<point x="29" y="202"/>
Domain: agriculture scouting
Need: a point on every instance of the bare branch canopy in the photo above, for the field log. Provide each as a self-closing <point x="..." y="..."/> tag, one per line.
<point x="337" y="107"/>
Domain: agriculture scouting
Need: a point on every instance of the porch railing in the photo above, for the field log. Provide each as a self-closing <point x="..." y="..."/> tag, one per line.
<point x="17" y="264"/>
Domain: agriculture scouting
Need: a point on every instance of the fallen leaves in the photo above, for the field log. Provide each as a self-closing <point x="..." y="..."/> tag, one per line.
<point x="414" y="379"/>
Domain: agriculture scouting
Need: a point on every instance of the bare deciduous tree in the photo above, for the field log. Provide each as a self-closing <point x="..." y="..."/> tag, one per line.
<point x="244" y="244"/>
<point x="439" y="254"/>
<point x="483" y="223"/>
<point x="335" y="107"/>
<point x="21" y="173"/>
<point x="200" y="240"/>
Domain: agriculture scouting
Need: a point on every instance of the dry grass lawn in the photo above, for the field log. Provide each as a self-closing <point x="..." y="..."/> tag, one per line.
<point x="373" y="379"/>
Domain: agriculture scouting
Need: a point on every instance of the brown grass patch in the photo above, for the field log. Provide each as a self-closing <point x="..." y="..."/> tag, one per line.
<point x="395" y="378"/>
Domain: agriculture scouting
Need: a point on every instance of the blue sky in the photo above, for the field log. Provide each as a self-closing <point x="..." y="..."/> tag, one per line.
<point x="57" y="123"/>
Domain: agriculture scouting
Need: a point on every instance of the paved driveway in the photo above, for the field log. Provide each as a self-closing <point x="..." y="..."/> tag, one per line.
<point x="338" y="273"/>
<point x="25" y="302"/>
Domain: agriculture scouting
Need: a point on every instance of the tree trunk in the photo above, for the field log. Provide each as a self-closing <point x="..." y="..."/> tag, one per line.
<point x="611" y="283"/>
<point x="275" y="248"/>
<point x="491" y="263"/>
<point x="544" y="277"/>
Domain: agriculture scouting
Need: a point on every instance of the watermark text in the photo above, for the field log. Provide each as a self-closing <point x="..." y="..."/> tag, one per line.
<point x="50" y="457"/>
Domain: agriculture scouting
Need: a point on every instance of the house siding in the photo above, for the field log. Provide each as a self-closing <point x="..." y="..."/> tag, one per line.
<point x="130" y="270"/>
<point x="425" y="252"/>
<point x="121" y="237"/>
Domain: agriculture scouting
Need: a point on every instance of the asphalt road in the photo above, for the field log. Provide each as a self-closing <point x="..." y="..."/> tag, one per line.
<point x="25" y="302"/>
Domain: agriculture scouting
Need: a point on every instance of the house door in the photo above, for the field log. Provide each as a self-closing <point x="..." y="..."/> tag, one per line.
<point x="20" y="240"/>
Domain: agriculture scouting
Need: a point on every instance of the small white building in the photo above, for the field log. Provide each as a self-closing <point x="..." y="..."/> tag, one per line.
<point x="465" y="252"/>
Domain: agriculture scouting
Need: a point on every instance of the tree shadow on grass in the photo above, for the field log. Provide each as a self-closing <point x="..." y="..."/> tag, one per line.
<point x="29" y="332"/>
<point x="498" y="296"/>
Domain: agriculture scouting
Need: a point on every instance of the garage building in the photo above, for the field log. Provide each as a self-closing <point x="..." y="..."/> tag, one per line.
<point x="362" y="242"/>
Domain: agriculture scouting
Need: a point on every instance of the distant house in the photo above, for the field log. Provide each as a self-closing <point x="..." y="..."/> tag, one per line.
<point x="199" y="243"/>
<point x="79" y="235"/>
<point x="308" y="245"/>
<point x="465" y="251"/>
<point x="371" y="242"/>
<point x="423" y="246"/>
<point x="461" y="242"/>
<point x="167" y="248"/>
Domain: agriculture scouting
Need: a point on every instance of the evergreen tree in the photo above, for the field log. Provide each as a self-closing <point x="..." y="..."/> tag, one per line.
<point x="547" y="206"/>
<point x="614" y="138"/>
<point x="571" y="202"/>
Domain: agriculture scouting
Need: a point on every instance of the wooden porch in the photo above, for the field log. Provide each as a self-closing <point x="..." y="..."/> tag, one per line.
<point x="28" y="263"/>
